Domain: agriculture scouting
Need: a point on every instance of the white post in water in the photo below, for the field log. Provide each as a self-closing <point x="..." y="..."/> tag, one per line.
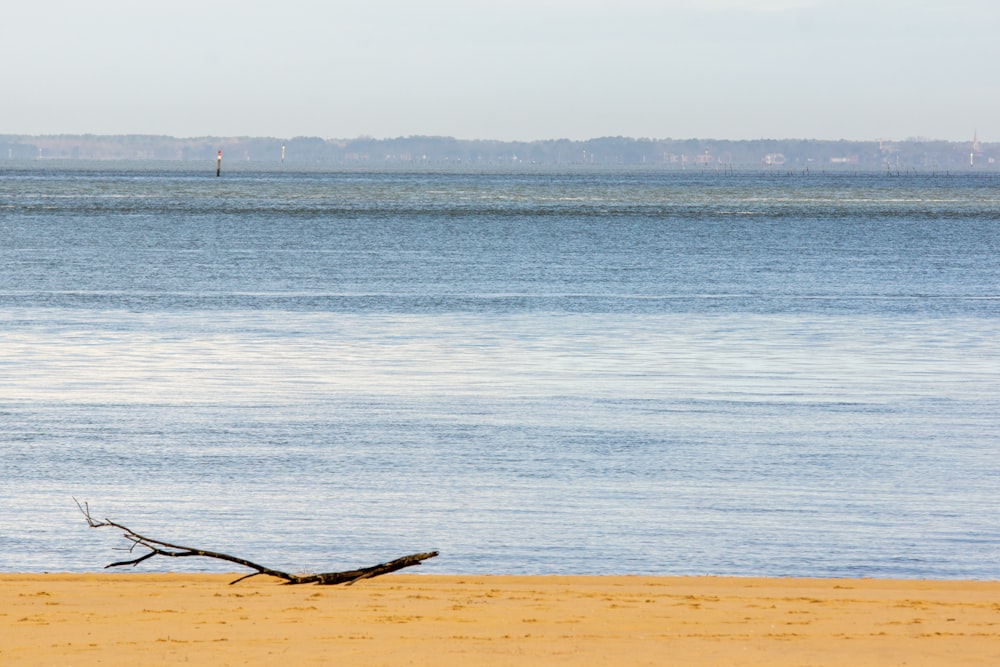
<point x="218" y="164"/>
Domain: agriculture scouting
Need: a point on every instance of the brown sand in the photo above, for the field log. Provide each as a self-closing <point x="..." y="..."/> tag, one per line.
<point x="153" y="619"/>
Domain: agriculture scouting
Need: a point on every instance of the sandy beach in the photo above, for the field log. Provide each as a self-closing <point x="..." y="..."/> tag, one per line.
<point x="412" y="619"/>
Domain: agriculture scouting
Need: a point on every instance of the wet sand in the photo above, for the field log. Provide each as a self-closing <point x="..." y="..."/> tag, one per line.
<point x="407" y="619"/>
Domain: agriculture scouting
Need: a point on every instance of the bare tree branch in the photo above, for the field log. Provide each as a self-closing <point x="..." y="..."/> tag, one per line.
<point x="161" y="548"/>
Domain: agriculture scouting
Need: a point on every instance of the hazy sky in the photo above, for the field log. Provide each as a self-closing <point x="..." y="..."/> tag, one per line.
<point x="503" y="69"/>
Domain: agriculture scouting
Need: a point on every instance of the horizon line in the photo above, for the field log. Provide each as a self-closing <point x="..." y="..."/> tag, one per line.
<point x="364" y="137"/>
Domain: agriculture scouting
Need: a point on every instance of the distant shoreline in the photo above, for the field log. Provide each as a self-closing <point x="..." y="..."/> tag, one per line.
<point x="774" y="154"/>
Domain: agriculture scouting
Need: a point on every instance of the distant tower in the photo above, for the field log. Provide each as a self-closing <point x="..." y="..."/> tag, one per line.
<point x="975" y="148"/>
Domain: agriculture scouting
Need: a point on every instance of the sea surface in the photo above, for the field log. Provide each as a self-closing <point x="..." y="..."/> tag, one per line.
<point x="536" y="370"/>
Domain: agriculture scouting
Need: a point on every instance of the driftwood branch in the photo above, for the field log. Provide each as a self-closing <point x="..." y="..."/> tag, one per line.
<point x="161" y="548"/>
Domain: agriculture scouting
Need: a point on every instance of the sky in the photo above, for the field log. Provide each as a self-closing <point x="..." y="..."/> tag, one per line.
<point x="504" y="69"/>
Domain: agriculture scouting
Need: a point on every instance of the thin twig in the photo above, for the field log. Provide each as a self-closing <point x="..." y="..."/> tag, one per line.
<point x="161" y="548"/>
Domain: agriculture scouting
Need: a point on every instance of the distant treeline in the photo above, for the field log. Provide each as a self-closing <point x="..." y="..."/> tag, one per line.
<point x="676" y="153"/>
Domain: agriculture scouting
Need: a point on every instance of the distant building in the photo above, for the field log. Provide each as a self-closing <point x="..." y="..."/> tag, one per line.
<point x="976" y="156"/>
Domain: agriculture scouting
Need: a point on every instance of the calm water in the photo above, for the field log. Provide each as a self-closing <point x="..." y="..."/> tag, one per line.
<point x="533" y="372"/>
